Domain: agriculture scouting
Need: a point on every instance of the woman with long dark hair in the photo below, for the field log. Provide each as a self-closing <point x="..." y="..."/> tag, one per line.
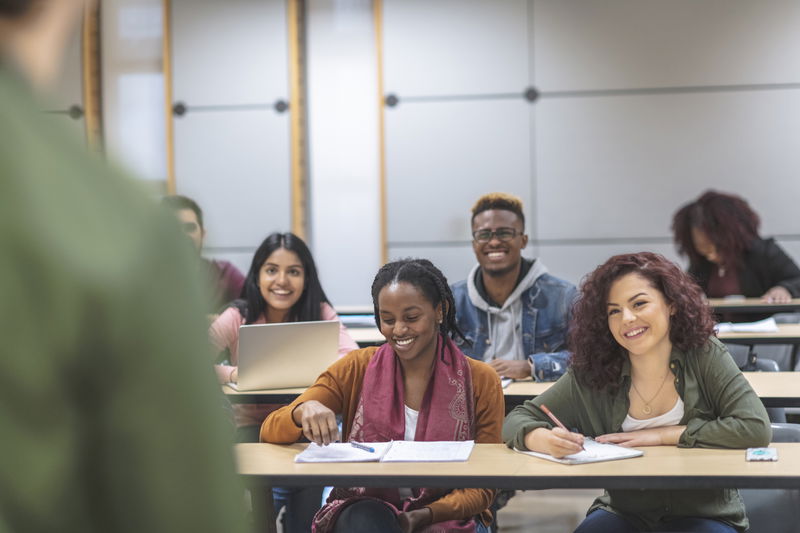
<point x="719" y="234"/>
<point x="281" y="286"/>
<point x="646" y="370"/>
<point x="417" y="386"/>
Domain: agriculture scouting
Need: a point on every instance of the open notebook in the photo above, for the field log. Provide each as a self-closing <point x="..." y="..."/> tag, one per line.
<point x="595" y="452"/>
<point x="394" y="451"/>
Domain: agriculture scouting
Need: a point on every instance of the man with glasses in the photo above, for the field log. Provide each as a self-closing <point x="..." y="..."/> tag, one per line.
<point x="515" y="314"/>
<point x="226" y="280"/>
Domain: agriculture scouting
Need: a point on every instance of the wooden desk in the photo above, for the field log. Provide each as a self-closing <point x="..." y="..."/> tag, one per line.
<point x="364" y="337"/>
<point x="752" y="305"/>
<point x="786" y="334"/>
<point x="494" y="465"/>
<point x="776" y="389"/>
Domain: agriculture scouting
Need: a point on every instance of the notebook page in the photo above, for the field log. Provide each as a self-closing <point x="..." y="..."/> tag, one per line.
<point x="430" y="451"/>
<point x="342" y="452"/>
<point x="595" y="452"/>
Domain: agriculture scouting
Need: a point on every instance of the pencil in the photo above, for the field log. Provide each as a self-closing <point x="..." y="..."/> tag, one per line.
<point x="550" y="414"/>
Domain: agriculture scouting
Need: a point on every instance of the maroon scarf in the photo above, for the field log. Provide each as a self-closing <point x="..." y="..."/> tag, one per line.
<point x="446" y="413"/>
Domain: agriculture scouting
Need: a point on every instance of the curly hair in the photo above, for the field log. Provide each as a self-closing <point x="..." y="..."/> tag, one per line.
<point x="597" y="358"/>
<point x="726" y="219"/>
<point x="499" y="200"/>
<point x="423" y="275"/>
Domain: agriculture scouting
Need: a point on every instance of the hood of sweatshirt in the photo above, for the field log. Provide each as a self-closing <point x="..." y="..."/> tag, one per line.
<point x="504" y="329"/>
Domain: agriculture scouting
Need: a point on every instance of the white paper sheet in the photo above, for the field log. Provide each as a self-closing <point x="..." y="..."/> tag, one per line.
<point x="595" y="452"/>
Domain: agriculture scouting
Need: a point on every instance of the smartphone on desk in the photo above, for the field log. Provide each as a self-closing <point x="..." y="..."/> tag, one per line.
<point x="761" y="454"/>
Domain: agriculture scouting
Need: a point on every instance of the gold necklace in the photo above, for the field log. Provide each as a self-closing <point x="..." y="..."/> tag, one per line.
<point x="647" y="409"/>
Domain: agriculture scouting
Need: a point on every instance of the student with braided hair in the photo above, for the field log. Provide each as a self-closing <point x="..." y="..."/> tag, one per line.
<point x="416" y="386"/>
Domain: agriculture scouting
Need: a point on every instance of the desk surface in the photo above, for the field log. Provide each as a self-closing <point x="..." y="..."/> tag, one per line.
<point x="752" y="305"/>
<point x="366" y="336"/>
<point x="776" y="389"/>
<point x="494" y="465"/>
<point x="786" y="334"/>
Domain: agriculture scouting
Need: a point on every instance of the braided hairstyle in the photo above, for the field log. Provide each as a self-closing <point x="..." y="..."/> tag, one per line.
<point x="430" y="281"/>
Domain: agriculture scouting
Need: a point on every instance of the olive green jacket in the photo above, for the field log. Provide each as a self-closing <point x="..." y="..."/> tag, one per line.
<point x="111" y="418"/>
<point x="720" y="410"/>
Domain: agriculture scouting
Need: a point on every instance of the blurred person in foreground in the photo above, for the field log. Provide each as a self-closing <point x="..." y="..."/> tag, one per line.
<point x="109" y="419"/>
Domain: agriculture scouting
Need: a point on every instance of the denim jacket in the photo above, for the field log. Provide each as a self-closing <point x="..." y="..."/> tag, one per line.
<point x="546" y="312"/>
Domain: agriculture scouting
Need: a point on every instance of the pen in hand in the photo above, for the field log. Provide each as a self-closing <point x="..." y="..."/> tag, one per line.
<point x="550" y="414"/>
<point x="364" y="447"/>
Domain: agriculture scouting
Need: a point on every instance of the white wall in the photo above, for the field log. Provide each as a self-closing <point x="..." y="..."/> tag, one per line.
<point x="643" y="105"/>
<point x="230" y="66"/>
<point x="343" y="106"/>
<point x="133" y="86"/>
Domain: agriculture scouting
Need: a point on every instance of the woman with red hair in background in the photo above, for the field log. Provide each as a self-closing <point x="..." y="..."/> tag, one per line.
<point x="719" y="234"/>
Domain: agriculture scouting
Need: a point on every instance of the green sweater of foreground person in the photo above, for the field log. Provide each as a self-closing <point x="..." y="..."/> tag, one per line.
<point x="110" y="417"/>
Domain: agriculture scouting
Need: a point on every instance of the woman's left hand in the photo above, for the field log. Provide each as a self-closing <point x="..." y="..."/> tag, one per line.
<point x="777" y="295"/>
<point x="410" y="521"/>
<point x="668" y="435"/>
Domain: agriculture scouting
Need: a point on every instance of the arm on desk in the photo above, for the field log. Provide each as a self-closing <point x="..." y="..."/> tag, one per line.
<point x="527" y="417"/>
<point x="738" y="420"/>
<point x="549" y="366"/>
<point x="782" y="271"/>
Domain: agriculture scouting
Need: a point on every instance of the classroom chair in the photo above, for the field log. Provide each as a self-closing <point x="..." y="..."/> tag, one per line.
<point x="774" y="510"/>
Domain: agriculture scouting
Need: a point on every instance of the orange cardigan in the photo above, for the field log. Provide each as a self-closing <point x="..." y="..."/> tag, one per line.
<point x="339" y="389"/>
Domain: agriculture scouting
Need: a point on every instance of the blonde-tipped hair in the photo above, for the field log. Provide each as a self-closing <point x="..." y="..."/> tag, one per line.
<point x="499" y="200"/>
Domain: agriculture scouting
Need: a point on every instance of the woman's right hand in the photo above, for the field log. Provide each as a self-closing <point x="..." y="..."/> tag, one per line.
<point x="318" y="422"/>
<point x="556" y="442"/>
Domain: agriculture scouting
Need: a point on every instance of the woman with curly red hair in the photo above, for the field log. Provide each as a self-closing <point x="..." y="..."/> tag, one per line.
<point x="646" y="370"/>
<point x="719" y="234"/>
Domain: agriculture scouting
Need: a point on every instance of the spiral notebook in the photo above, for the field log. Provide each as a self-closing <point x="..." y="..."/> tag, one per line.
<point x="595" y="452"/>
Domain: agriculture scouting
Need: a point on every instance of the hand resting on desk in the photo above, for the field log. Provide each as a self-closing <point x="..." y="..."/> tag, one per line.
<point x="511" y="369"/>
<point x="318" y="422"/>
<point x="777" y="295"/>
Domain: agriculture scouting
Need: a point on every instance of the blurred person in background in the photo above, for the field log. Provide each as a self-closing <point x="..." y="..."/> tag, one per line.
<point x="225" y="280"/>
<point x="110" y="419"/>
<point x="719" y="234"/>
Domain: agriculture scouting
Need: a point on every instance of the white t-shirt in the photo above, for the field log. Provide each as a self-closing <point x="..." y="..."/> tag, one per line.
<point x="411" y="430"/>
<point x="670" y="418"/>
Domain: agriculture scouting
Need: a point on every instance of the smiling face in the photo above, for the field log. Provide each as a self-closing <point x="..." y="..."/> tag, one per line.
<point x="409" y="321"/>
<point x="638" y="316"/>
<point x="496" y="257"/>
<point x="281" y="281"/>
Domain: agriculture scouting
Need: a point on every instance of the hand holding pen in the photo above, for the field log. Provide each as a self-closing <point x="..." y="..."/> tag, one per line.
<point x="557" y="442"/>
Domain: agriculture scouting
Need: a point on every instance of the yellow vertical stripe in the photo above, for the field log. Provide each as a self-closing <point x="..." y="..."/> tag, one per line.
<point x="169" y="131"/>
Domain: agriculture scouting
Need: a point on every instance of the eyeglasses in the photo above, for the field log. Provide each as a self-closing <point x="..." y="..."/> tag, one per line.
<point x="502" y="234"/>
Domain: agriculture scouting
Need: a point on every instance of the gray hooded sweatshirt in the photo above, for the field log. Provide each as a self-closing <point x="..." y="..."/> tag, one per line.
<point x="505" y="323"/>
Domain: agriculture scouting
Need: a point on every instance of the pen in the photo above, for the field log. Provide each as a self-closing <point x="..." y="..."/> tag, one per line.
<point x="549" y="413"/>
<point x="364" y="447"/>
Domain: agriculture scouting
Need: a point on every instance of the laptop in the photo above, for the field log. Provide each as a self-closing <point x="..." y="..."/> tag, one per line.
<point x="285" y="355"/>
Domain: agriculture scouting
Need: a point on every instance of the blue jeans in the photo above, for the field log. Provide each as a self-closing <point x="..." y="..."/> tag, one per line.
<point x="601" y="521"/>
